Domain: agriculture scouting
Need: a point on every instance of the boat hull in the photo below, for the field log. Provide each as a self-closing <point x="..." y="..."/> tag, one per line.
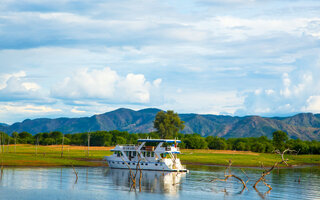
<point x="154" y="166"/>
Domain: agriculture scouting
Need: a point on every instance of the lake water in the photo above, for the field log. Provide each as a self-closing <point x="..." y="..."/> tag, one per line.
<point x="105" y="183"/>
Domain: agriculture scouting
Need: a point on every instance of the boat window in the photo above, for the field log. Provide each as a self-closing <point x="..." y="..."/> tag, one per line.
<point x="123" y="163"/>
<point x="144" y="154"/>
<point x="152" y="154"/>
<point x="134" y="153"/>
<point x="156" y="164"/>
<point x="146" y="163"/>
<point x="148" y="154"/>
<point x="134" y="163"/>
<point x="119" y="153"/>
<point x="141" y="163"/>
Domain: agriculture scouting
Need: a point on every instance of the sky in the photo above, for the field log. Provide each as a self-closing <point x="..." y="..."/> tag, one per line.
<point x="68" y="58"/>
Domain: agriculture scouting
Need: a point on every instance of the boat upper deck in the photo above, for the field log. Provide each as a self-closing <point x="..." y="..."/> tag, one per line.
<point x="159" y="140"/>
<point x="157" y="147"/>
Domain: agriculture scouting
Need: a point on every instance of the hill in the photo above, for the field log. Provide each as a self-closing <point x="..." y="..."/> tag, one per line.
<point x="305" y="126"/>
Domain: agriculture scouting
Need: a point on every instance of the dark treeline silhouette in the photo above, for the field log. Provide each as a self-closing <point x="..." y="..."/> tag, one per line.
<point x="190" y="141"/>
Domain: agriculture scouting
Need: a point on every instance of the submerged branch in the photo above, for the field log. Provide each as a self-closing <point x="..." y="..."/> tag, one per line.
<point x="229" y="175"/>
<point x="276" y="165"/>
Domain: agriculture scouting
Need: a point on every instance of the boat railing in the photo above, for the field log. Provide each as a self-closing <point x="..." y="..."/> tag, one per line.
<point x="128" y="147"/>
<point x="172" y="148"/>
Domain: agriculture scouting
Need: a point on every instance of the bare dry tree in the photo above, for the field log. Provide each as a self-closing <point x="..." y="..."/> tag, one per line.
<point x="88" y="144"/>
<point x="76" y="173"/>
<point x="37" y="143"/>
<point x="276" y="165"/>
<point x="8" y="145"/>
<point x="62" y="145"/>
<point x="229" y="175"/>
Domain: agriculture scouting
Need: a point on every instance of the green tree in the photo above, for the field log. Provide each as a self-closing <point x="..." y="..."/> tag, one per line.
<point x="168" y="124"/>
<point x="56" y="135"/>
<point x="258" y="147"/>
<point x="25" y="138"/>
<point x="15" y="136"/>
<point x="279" y="139"/>
<point x="48" y="141"/>
<point x="98" y="138"/>
<point x="195" y="141"/>
<point x="241" y="146"/>
<point x="120" y="140"/>
<point x="216" y="143"/>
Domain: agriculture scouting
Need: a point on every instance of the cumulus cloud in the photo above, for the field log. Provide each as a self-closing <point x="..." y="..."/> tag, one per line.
<point x="105" y="85"/>
<point x="299" y="91"/>
<point x="313" y="104"/>
<point x="15" y="87"/>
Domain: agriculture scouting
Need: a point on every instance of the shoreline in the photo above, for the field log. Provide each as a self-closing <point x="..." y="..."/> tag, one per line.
<point x="254" y="167"/>
<point x="102" y="164"/>
<point x="79" y="156"/>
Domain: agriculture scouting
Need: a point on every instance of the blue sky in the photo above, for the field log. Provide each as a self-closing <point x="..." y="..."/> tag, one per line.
<point x="236" y="57"/>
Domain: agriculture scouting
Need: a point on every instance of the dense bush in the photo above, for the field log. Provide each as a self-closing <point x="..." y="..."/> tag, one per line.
<point x="191" y="141"/>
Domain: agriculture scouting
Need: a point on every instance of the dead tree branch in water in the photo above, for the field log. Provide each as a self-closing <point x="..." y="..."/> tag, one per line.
<point x="262" y="196"/>
<point x="76" y="173"/>
<point x="134" y="175"/>
<point x="276" y="165"/>
<point x="229" y="175"/>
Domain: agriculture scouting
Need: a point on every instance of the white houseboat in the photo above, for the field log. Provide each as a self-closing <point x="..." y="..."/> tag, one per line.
<point x="152" y="154"/>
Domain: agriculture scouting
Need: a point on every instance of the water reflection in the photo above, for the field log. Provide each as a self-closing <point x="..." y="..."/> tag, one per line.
<point x="105" y="183"/>
<point x="152" y="181"/>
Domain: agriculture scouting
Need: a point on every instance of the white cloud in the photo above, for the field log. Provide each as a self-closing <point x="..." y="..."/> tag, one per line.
<point x="11" y="112"/>
<point x="75" y="110"/>
<point x="218" y="102"/>
<point x="5" y="77"/>
<point x="31" y="86"/>
<point x="299" y="92"/>
<point x="134" y="88"/>
<point x="313" y="104"/>
<point x="15" y="87"/>
<point x="105" y="85"/>
<point x="87" y="84"/>
<point x="32" y="109"/>
<point x="157" y="82"/>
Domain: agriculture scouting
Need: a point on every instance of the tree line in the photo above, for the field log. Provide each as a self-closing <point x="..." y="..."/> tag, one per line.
<point x="261" y="144"/>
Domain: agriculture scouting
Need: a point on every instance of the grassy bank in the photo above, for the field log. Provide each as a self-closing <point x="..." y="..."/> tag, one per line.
<point x="28" y="155"/>
<point x="242" y="158"/>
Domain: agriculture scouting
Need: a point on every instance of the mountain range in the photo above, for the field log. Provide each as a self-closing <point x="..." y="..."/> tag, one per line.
<point x="305" y="126"/>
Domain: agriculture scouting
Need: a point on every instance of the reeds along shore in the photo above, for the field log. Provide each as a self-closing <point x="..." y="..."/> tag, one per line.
<point x="37" y="155"/>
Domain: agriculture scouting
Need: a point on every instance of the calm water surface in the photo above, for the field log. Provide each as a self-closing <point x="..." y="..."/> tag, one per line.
<point x="105" y="183"/>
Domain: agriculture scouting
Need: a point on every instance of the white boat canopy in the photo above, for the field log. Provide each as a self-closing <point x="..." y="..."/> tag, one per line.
<point x="160" y="140"/>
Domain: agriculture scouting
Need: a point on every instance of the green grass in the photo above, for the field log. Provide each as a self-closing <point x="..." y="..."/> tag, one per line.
<point x="25" y="155"/>
<point x="74" y="155"/>
<point x="244" y="159"/>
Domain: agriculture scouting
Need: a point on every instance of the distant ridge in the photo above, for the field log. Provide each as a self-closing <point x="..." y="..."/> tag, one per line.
<point x="305" y="126"/>
<point x="3" y="124"/>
